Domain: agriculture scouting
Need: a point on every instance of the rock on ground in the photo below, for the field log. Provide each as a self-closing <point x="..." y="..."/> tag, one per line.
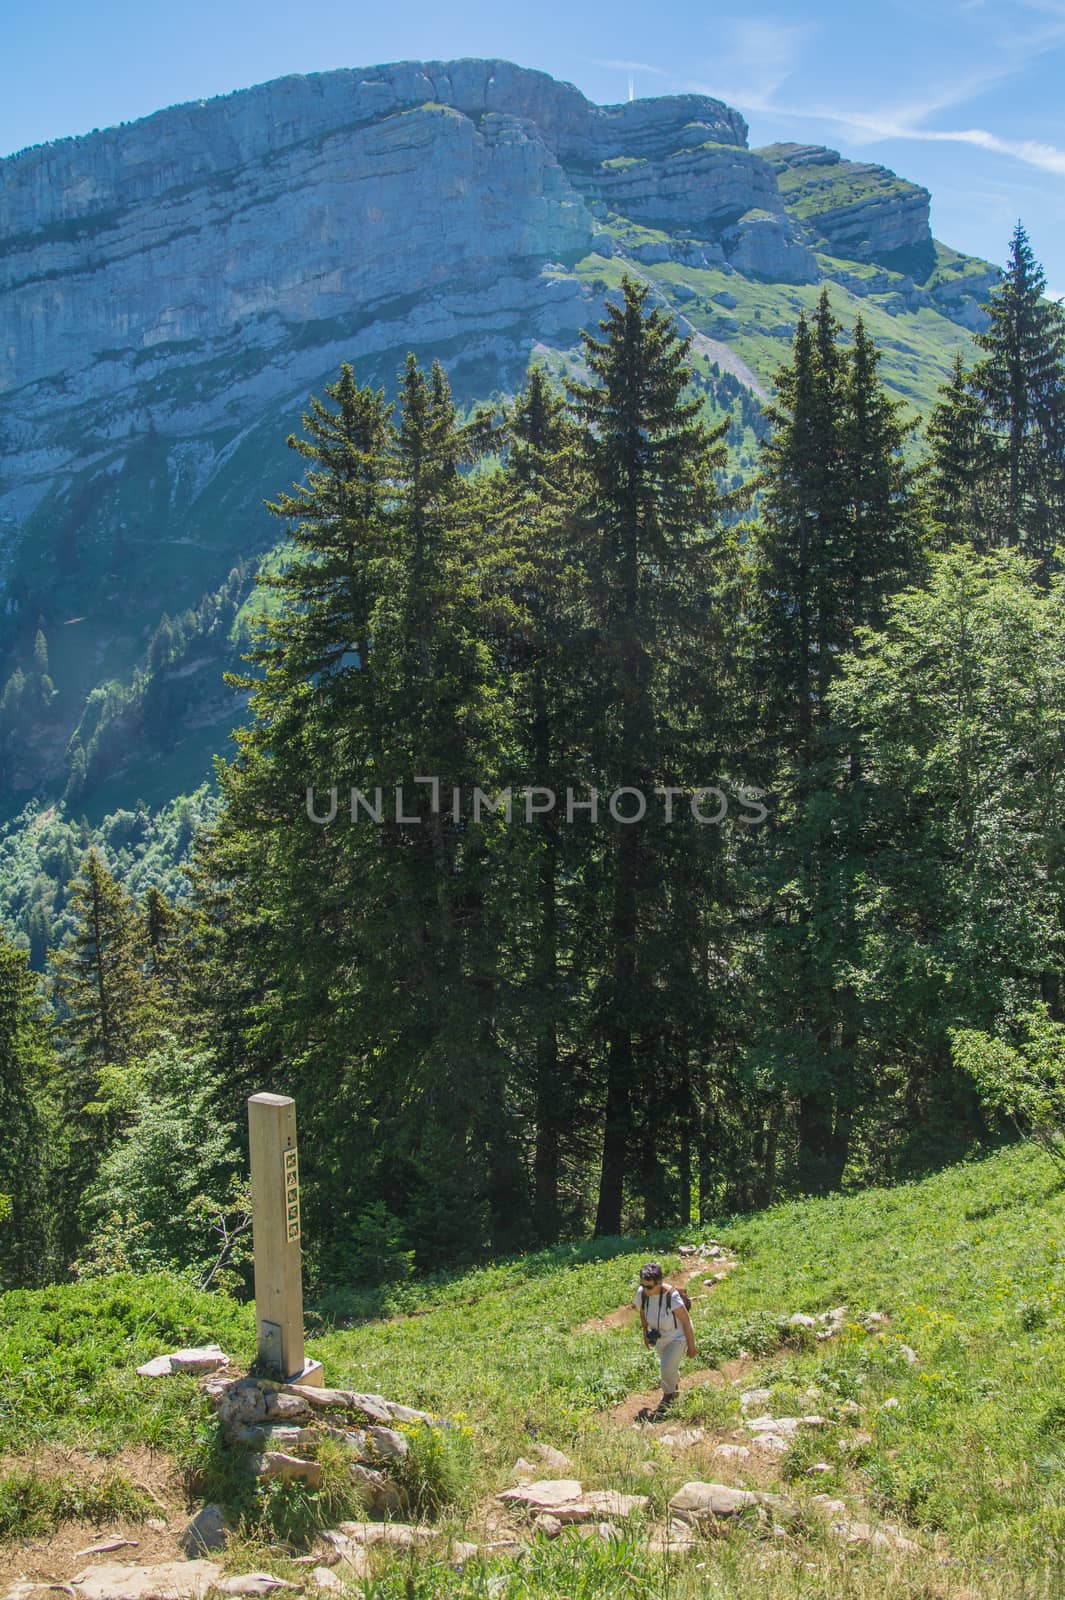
<point x="173" y="1580"/>
<point x="697" y="1501"/>
<point x="276" y="1465"/>
<point x="206" y="1358"/>
<point x="545" y="1495"/>
<point x="206" y="1531"/>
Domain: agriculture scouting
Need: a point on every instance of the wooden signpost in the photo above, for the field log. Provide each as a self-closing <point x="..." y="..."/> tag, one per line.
<point x="275" y="1192"/>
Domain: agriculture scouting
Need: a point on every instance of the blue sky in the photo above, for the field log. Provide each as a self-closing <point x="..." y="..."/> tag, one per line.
<point x="963" y="96"/>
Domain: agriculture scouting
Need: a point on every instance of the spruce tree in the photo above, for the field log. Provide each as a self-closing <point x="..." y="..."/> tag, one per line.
<point x="105" y="1020"/>
<point x="1021" y="385"/>
<point x="839" y="532"/>
<point x="538" y="641"/>
<point x="959" y="466"/>
<point x="27" y="1134"/>
<point x="649" y="520"/>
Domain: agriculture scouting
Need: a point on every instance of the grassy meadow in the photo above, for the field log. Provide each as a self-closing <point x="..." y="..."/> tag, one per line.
<point x="963" y="1449"/>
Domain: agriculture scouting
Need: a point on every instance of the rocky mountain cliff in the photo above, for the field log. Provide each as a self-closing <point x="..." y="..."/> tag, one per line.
<point x="172" y="289"/>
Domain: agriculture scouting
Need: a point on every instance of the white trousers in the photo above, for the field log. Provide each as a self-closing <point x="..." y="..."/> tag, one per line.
<point x="670" y="1354"/>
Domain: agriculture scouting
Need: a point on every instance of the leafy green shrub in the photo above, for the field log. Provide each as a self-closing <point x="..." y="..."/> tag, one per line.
<point x="1025" y="1081"/>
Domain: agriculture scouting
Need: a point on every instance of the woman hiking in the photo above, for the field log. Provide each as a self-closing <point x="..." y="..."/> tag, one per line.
<point x="667" y="1327"/>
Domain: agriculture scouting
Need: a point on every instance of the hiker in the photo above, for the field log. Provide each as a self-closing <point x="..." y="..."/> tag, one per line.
<point x="667" y="1327"/>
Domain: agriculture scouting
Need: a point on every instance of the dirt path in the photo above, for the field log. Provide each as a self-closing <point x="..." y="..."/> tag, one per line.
<point x="629" y="1410"/>
<point x="680" y="1279"/>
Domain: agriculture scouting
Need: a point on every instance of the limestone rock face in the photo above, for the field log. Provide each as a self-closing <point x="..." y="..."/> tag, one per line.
<point x="171" y="290"/>
<point x="856" y="209"/>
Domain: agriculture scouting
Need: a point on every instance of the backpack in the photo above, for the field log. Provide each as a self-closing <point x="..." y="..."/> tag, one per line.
<point x="667" y="1287"/>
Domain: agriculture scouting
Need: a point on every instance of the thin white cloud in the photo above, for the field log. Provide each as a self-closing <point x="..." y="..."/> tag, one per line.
<point x="631" y="66"/>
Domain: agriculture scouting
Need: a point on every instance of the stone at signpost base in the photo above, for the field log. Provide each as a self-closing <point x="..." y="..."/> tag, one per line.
<point x="372" y="1407"/>
<point x="174" y="1580"/>
<point x="276" y="1466"/>
<point x="378" y="1492"/>
<point x="388" y="1443"/>
<point x="204" y="1532"/>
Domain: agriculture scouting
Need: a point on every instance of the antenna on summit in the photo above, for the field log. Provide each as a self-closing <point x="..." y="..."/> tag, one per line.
<point x="632" y="87"/>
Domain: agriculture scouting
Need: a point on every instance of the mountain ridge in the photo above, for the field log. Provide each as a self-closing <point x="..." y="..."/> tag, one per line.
<point x="171" y="289"/>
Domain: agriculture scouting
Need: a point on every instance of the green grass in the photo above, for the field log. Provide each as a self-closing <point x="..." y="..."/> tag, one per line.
<point x="967" y="1446"/>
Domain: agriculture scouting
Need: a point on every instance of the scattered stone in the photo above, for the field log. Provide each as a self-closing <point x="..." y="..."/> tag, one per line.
<point x="106" y="1546"/>
<point x="910" y="1355"/>
<point x="801" y="1319"/>
<point x="597" y="1530"/>
<point x="731" y="1452"/>
<point x="462" y="1551"/>
<point x="22" y="1591"/>
<point x="817" y="1469"/>
<point x="276" y="1465"/>
<point x="205" y="1531"/>
<point x="827" y="1506"/>
<point x="696" y="1502"/>
<point x="547" y="1524"/>
<point x="682" y="1440"/>
<point x="253" y="1583"/>
<point x="523" y="1468"/>
<point x="892" y="1403"/>
<point x="387" y="1443"/>
<point x="546" y="1495"/>
<point x="326" y="1580"/>
<point x="849" y="1408"/>
<point x="754" y="1397"/>
<point x="874" y="1319"/>
<point x="402" y="1535"/>
<point x="173" y="1580"/>
<point x="688" y="1250"/>
<point x="888" y="1536"/>
<point x="208" y="1358"/>
<point x="768" y="1424"/>
<point x="550" y="1457"/>
<point x="157" y="1524"/>
<point x="854" y="1441"/>
<point x="674" y="1539"/>
<point x="353" y="1555"/>
<point x="611" y="1503"/>
<point x="771" y="1444"/>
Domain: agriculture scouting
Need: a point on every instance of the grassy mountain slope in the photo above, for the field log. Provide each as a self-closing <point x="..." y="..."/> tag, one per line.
<point x="948" y="1421"/>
